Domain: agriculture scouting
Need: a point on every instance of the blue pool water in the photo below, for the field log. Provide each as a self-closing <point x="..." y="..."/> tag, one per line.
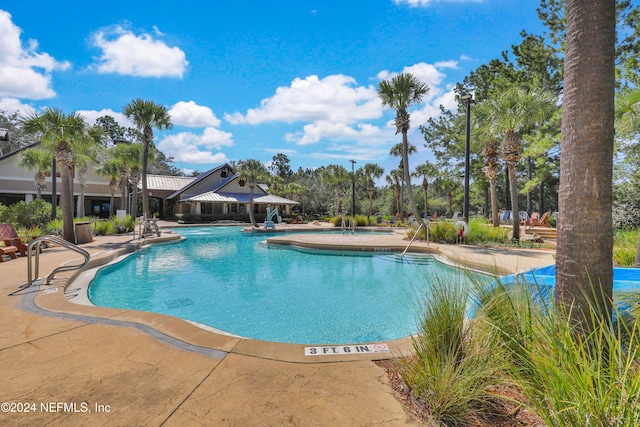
<point x="227" y="279"/>
<point x="542" y="280"/>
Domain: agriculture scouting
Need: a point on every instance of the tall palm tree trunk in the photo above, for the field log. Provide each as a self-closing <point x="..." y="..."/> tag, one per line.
<point x="425" y="190"/>
<point x="66" y="203"/>
<point x="251" y="216"/>
<point x="148" y="139"/>
<point x="124" y="183"/>
<point x="407" y="177"/>
<point x="495" y="217"/>
<point x="511" y="169"/>
<point x="584" y="260"/>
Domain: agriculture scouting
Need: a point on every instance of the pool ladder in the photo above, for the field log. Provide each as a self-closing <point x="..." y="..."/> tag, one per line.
<point x="36" y="247"/>
<point x="415" y="236"/>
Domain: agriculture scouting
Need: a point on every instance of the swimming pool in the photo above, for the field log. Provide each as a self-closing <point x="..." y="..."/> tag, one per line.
<point x="229" y="280"/>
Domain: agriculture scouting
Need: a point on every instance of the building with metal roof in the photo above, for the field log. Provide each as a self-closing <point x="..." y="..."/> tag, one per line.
<point x="218" y="193"/>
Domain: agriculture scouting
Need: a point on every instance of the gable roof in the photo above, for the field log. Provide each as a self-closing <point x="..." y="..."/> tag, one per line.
<point x="199" y="178"/>
<point x="18" y="151"/>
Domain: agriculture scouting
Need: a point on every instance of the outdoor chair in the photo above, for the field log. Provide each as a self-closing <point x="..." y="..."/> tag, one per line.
<point x="10" y="237"/>
<point x="8" y="250"/>
<point x="542" y="222"/>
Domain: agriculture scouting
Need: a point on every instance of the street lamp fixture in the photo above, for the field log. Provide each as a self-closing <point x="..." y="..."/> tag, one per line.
<point x="353" y="189"/>
<point x="468" y="99"/>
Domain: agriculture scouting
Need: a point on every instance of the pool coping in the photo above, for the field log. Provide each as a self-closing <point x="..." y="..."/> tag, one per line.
<point x="177" y="331"/>
<point x="190" y="336"/>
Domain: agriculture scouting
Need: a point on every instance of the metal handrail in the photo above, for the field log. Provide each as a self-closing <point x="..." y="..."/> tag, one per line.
<point x="422" y="224"/>
<point x="36" y="246"/>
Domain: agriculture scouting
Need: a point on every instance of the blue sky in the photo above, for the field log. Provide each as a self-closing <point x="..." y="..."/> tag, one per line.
<point x="250" y="79"/>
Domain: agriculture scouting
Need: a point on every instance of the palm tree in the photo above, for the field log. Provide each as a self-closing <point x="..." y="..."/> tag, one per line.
<point x="371" y="172"/>
<point x="393" y="179"/>
<point x="251" y="171"/>
<point x="109" y="168"/>
<point x="337" y="177"/>
<point x="397" y="151"/>
<point x="63" y="134"/>
<point x="128" y="159"/>
<point x="513" y="111"/>
<point x="276" y="184"/>
<point x="39" y="161"/>
<point x="427" y="170"/>
<point x="586" y="162"/>
<point x="403" y="91"/>
<point x="490" y="154"/>
<point x="83" y="159"/>
<point x="628" y="124"/>
<point x="147" y="115"/>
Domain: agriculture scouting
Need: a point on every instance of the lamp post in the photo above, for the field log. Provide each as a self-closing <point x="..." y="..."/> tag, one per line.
<point x="468" y="99"/>
<point x="353" y="189"/>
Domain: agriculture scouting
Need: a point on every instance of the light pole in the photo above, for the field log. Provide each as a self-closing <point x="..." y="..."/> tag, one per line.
<point x="468" y="99"/>
<point x="353" y="189"/>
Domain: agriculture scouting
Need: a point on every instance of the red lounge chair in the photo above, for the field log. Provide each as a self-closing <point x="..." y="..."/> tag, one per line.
<point x="10" y="236"/>
<point x="543" y="221"/>
<point x="8" y="250"/>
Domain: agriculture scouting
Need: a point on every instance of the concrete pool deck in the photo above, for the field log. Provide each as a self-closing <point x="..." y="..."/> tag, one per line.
<point x="69" y="364"/>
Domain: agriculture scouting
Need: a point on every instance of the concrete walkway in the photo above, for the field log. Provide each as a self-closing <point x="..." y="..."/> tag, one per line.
<point x="67" y="364"/>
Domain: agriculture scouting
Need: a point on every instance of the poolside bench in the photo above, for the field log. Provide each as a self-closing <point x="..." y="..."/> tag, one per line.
<point x="8" y="250"/>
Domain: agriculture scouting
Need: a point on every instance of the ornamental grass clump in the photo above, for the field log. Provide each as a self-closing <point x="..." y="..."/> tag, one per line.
<point x="455" y="369"/>
<point x="569" y="376"/>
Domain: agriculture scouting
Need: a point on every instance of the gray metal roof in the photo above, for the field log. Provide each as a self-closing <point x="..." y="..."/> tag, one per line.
<point x="197" y="179"/>
<point x="169" y="183"/>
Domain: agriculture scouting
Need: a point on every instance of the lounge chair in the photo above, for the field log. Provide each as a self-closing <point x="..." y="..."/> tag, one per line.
<point x="454" y="218"/>
<point x="542" y="222"/>
<point x="10" y="236"/>
<point x="8" y="250"/>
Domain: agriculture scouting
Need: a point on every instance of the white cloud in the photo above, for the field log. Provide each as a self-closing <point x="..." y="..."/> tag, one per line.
<point x="192" y="148"/>
<point x="13" y="105"/>
<point x="335" y="98"/>
<point x="24" y="73"/>
<point x="432" y="109"/>
<point x="316" y="131"/>
<point x="446" y="64"/>
<point x="123" y="52"/>
<point x="91" y="116"/>
<point x="191" y="114"/>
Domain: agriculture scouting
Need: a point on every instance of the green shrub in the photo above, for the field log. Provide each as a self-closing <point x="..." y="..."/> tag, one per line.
<point x="54" y="227"/>
<point x="23" y="214"/>
<point x="28" y="234"/>
<point x="444" y="232"/>
<point x="625" y="245"/>
<point x="123" y="225"/>
<point x="337" y="220"/>
<point x="105" y="228"/>
<point x="361" y="221"/>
